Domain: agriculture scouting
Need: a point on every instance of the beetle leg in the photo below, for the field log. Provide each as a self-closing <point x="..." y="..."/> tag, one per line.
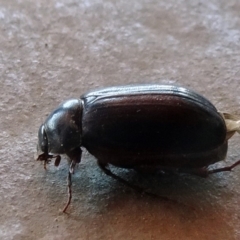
<point x="126" y="183"/>
<point x="111" y="174"/>
<point x="137" y="188"/>
<point x="224" y="169"/>
<point x="205" y="172"/>
<point x="69" y="181"/>
<point x="75" y="156"/>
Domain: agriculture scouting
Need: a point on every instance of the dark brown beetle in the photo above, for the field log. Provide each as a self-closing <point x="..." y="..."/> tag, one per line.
<point x="163" y="127"/>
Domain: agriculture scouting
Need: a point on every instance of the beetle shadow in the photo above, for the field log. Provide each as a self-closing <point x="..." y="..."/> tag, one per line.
<point x="181" y="190"/>
<point x="193" y="202"/>
<point x="97" y="198"/>
<point x="91" y="185"/>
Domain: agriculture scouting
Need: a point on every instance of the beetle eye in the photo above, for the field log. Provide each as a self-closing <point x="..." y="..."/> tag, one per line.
<point x="42" y="140"/>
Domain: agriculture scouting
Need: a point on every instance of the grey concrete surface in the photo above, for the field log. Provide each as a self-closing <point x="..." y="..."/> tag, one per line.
<point x="52" y="50"/>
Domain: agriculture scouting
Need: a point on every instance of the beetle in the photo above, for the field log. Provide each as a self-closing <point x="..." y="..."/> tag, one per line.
<point x="163" y="127"/>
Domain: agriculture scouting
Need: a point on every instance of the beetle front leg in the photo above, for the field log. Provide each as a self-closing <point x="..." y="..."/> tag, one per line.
<point x="75" y="157"/>
<point x="69" y="181"/>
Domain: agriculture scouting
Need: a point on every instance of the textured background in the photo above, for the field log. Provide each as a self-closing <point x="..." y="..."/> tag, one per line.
<point x="52" y="50"/>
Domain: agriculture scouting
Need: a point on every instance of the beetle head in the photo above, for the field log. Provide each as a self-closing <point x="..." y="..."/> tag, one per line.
<point x="62" y="130"/>
<point x="42" y="140"/>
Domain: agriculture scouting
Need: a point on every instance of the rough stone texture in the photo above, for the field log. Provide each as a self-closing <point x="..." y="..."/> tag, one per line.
<point x="51" y="50"/>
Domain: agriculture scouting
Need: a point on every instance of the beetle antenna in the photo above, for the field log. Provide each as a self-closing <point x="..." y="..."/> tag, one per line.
<point x="75" y="157"/>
